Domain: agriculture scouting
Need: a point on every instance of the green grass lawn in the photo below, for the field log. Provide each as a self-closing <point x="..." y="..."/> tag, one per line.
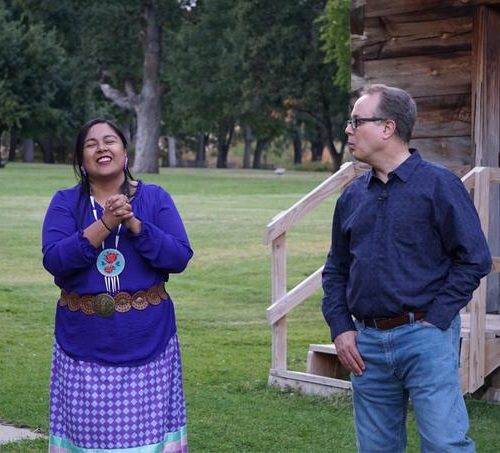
<point x="221" y="302"/>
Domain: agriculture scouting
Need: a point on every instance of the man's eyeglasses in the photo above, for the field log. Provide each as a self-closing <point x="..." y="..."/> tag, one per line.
<point x="355" y="122"/>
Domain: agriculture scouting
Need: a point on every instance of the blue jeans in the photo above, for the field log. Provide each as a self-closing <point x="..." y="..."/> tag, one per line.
<point x="413" y="362"/>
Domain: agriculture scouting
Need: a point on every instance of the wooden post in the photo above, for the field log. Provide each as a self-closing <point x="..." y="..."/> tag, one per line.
<point x="279" y="280"/>
<point x="486" y="122"/>
<point x="477" y="353"/>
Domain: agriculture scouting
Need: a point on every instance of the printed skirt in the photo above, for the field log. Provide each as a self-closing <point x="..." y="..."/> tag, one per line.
<point x="96" y="408"/>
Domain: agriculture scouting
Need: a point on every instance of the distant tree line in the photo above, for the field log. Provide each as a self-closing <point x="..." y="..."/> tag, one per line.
<point x="191" y="71"/>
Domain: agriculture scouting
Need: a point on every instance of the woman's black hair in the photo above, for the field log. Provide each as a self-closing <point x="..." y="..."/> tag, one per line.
<point x="78" y="162"/>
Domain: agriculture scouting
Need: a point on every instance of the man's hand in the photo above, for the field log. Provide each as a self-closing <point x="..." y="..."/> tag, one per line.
<point x="348" y="353"/>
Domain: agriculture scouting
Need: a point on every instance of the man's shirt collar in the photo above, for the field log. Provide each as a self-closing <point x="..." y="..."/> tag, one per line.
<point x="404" y="171"/>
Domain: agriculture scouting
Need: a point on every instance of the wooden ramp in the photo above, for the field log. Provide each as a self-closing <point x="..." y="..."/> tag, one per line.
<point x="480" y="345"/>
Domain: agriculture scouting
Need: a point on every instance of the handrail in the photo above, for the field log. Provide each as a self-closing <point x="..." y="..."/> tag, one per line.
<point x="284" y="220"/>
<point x="292" y="298"/>
<point x="470" y="177"/>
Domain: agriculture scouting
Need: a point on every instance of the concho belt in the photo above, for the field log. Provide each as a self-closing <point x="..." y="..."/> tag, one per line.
<point x="104" y="304"/>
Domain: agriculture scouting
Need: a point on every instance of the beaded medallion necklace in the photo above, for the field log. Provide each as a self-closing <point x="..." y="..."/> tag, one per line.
<point x="110" y="262"/>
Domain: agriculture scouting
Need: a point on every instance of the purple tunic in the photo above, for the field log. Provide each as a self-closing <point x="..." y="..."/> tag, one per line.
<point x="123" y="339"/>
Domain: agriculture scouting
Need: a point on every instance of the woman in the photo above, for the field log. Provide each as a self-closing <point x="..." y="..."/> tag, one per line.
<point x="111" y="242"/>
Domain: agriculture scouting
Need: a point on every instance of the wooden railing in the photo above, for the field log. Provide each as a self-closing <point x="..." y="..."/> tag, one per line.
<point x="284" y="301"/>
<point x="480" y="179"/>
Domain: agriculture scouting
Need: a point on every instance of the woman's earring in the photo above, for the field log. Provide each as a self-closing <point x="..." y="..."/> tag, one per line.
<point x="82" y="169"/>
<point x="126" y="164"/>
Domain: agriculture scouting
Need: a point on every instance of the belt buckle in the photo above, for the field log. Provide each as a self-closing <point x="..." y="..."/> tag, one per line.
<point x="104" y="305"/>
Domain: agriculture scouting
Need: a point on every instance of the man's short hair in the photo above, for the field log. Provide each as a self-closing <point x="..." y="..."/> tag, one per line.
<point x="395" y="104"/>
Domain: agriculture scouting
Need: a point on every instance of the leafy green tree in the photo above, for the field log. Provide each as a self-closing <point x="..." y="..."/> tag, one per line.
<point x="336" y="37"/>
<point x="32" y="59"/>
<point x="286" y="68"/>
<point x="203" y="75"/>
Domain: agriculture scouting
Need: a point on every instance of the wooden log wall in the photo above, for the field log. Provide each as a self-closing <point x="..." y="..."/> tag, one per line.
<point x="445" y="53"/>
<point x="424" y="47"/>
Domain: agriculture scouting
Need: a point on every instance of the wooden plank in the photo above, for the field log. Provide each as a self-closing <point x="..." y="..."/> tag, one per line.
<point x="375" y="8"/>
<point x="357" y="17"/>
<point x="279" y="283"/>
<point x="300" y="376"/>
<point x="486" y="129"/>
<point x="492" y="323"/>
<point x="429" y="75"/>
<point x="326" y="365"/>
<point x="492" y="355"/>
<point x="443" y="116"/>
<point x="477" y="307"/>
<point x="290" y="300"/>
<point x="328" y="348"/>
<point x="486" y="86"/>
<point x="496" y="264"/>
<point x="469" y="179"/>
<point x="286" y="219"/>
<point x="445" y="150"/>
<point x="415" y="34"/>
<point x="495" y="175"/>
<point x="464" y="365"/>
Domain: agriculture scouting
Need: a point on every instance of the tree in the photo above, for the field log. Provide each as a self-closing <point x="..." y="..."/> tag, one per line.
<point x="336" y="37"/>
<point x="147" y="103"/>
<point x="204" y="75"/>
<point x="31" y="59"/>
<point x="286" y="69"/>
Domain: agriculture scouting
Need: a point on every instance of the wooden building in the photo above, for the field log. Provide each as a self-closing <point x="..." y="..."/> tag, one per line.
<point x="446" y="54"/>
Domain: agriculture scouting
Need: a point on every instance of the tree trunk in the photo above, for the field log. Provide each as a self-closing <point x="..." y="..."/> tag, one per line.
<point x="259" y="148"/>
<point x="201" y="154"/>
<point x="147" y="105"/>
<point x="248" y="147"/>
<point x="47" y="148"/>
<point x="149" y="109"/>
<point x="297" y="147"/>
<point x="4" y="147"/>
<point x="13" y="145"/>
<point x="337" y="155"/>
<point x="317" y="143"/>
<point x="172" y="158"/>
<point x="223" y="142"/>
<point x="28" y="150"/>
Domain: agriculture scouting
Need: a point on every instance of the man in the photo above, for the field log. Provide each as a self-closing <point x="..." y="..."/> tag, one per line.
<point x="407" y="253"/>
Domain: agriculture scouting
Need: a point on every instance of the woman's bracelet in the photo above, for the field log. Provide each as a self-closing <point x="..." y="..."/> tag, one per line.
<point x="106" y="226"/>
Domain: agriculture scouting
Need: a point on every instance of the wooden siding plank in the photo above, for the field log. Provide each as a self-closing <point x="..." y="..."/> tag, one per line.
<point x="408" y="35"/>
<point x="448" y="116"/>
<point x="448" y="151"/>
<point x="431" y="75"/>
<point x="375" y="8"/>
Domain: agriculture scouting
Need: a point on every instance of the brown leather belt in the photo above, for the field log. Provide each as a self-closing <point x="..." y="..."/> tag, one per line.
<point x="390" y="323"/>
<point x="104" y="304"/>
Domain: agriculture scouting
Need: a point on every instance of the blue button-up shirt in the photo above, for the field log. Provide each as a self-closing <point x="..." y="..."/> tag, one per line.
<point x="412" y="244"/>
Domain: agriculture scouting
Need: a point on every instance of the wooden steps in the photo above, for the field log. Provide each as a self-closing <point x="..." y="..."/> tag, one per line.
<point x="322" y="360"/>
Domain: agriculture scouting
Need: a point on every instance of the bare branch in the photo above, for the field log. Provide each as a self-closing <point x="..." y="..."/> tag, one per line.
<point x="130" y="91"/>
<point x="120" y="99"/>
